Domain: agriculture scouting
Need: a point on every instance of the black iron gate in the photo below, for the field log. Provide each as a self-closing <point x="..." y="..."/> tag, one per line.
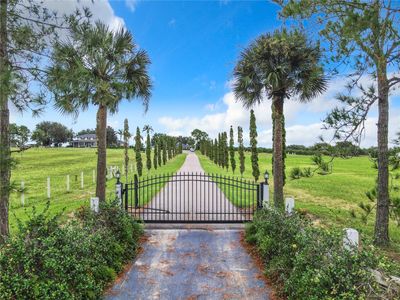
<point x="192" y="198"/>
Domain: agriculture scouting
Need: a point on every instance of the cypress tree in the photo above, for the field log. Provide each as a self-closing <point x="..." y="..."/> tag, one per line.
<point x="148" y="152"/>
<point x="155" y="157"/>
<point x="211" y="151"/>
<point x="138" y="149"/>
<point x="226" y="150"/>
<point x="159" y="151"/>
<point x="169" y="148"/>
<point x="164" y="150"/>
<point x="215" y="151"/>
<point x="220" y="150"/>
<point x="232" y="150"/>
<point x="253" y="144"/>
<point x="127" y="136"/>
<point x="180" y="148"/>
<point x="241" y="151"/>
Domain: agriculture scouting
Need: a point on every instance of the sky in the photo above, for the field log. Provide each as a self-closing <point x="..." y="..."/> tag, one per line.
<point x="193" y="47"/>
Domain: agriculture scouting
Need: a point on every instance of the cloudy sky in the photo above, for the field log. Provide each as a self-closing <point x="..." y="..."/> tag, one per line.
<point x="193" y="46"/>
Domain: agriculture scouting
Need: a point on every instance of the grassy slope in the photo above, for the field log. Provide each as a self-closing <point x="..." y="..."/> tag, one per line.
<point x="330" y="197"/>
<point x="35" y="165"/>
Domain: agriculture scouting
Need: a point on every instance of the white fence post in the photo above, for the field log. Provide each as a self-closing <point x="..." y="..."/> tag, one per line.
<point x="81" y="180"/>
<point x="351" y="239"/>
<point x="48" y="188"/>
<point x="94" y="176"/>
<point x="289" y="205"/>
<point x="94" y="204"/>
<point x="67" y="183"/>
<point x="22" y="193"/>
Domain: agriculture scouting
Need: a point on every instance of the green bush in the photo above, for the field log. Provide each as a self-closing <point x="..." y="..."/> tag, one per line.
<point x="308" y="262"/>
<point x="76" y="260"/>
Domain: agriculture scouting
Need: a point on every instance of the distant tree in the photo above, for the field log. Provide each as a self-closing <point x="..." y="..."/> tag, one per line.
<point x="216" y="153"/>
<point x="155" y="157"/>
<point x="199" y="136"/>
<point x="226" y="150"/>
<point x="241" y="151"/>
<point x="19" y="136"/>
<point x="138" y="152"/>
<point x="111" y="137"/>
<point x="180" y="148"/>
<point x="232" y="150"/>
<point x="98" y="66"/>
<point x="126" y="136"/>
<point x="397" y="140"/>
<point x="253" y="145"/>
<point x="164" y="150"/>
<point x="148" y="129"/>
<point x="86" y="131"/>
<point x="159" y="151"/>
<point x="51" y="133"/>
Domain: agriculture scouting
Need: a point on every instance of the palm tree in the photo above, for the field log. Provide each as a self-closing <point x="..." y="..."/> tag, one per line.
<point x="120" y="132"/>
<point x="99" y="67"/>
<point x="279" y="66"/>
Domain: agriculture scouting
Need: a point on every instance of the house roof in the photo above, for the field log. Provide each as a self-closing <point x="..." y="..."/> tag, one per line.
<point x="85" y="137"/>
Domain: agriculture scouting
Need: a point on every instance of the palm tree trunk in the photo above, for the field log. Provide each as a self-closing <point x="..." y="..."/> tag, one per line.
<point x="381" y="236"/>
<point x="5" y="154"/>
<point x="101" y="132"/>
<point x="278" y="151"/>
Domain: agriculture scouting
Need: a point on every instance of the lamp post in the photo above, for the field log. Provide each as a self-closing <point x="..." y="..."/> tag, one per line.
<point x="266" y="177"/>
<point x="118" y="187"/>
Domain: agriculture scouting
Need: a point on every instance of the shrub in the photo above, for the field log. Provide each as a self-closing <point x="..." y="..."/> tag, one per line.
<point x="76" y="260"/>
<point x="296" y="173"/>
<point x="308" y="262"/>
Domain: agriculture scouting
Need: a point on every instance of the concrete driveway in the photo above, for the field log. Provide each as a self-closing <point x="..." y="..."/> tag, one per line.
<point x="191" y="264"/>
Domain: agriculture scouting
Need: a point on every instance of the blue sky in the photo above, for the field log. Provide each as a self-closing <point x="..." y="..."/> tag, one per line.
<point x="193" y="46"/>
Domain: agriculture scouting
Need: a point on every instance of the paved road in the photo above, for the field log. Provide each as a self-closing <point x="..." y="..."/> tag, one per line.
<point x="194" y="198"/>
<point x="191" y="264"/>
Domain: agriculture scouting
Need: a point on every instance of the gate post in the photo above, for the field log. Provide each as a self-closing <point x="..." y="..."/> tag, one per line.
<point x="136" y="188"/>
<point x="126" y="196"/>
<point x="260" y="193"/>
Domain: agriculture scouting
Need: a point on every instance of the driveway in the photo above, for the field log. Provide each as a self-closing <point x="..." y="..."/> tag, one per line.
<point x="191" y="264"/>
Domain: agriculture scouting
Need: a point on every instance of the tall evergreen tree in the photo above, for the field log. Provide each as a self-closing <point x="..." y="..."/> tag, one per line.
<point x="148" y="128"/>
<point x="211" y="151"/>
<point x="159" y="151"/>
<point x="253" y="145"/>
<point x="232" y="150"/>
<point x="155" y="157"/>
<point x="138" y="152"/>
<point x="226" y="151"/>
<point x="241" y="151"/>
<point x="164" y="150"/>
<point x="215" y="151"/>
<point x="126" y="136"/>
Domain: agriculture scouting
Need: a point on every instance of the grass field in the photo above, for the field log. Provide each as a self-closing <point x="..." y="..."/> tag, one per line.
<point x="328" y="198"/>
<point x="35" y="165"/>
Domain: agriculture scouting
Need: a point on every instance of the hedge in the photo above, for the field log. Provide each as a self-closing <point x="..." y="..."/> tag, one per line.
<point x="48" y="259"/>
<point x="308" y="262"/>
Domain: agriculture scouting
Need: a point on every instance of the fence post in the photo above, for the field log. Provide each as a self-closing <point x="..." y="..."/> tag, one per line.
<point x="118" y="191"/>
<point x="67" y="183"/>
<point x="94" y="176"/>
<point x="48" y="188"/>
<point x="289" y="205"/>
<point x="136" y="187"/>
<point x="22" y="193"/>
<point x="265" y="194"/>
<point x="350" y="239"/>
<point x="260" y="195"/>
<point x="94" y="204"/>
<point x="81" y="180"/>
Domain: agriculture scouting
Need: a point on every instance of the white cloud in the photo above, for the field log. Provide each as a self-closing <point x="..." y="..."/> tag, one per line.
<point x="303" y="120"/>
<point x="100" y="9"/>
<point x="131" y="4"/>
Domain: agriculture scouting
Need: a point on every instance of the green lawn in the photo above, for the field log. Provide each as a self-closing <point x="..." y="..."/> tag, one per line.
<point x="35" y="165"/>
<point x="329" y="198"/>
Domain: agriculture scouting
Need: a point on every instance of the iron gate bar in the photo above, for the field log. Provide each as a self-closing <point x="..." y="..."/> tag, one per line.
<point x="207" y="198"/>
